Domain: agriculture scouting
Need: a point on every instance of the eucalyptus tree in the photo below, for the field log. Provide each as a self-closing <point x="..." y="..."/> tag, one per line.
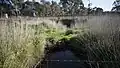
<point x="38" y="8"/>
<point x="97" y="10"/>
<point x="56" y="10"/>
<point x="47" y="8"/>
<point x="64" y="4"/>
<point x="18" y="3"/>
<point x="72" y="6"/>
<point x="116" y="6"/>
<point x="28" y="8"/>
<point x="6" y="6"/>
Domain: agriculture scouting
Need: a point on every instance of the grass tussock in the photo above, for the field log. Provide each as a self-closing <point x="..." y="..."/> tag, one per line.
<point x="100" y="45"/>
<point x="22" y="45"/>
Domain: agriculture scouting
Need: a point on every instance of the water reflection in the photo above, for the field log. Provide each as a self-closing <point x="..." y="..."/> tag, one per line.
<point x="63" y="59"/>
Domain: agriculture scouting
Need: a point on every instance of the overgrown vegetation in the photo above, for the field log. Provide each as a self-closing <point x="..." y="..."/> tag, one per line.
<point x="47" y="8"/>
<point x="97" y="51"/>
<point x="22" y="45"/>
<point x="99" y="46"/>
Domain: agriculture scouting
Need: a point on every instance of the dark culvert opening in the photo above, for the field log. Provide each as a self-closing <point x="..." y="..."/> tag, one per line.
<point x="68" y="22"/>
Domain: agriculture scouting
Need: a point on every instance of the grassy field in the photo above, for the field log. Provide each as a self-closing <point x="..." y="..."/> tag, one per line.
<point x="23" y="43"/>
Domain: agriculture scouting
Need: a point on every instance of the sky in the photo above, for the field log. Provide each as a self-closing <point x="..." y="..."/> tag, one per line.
<point x="105" y="4"/>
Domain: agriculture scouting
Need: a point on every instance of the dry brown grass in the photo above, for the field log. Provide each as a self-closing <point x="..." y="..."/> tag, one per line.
<point x="22" y="42"/>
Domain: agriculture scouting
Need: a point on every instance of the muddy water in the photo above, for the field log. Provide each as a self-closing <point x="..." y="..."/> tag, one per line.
<point x="63" y="59"/>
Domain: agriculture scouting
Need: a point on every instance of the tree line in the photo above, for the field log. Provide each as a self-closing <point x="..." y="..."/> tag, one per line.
<point x="52" y="8"/>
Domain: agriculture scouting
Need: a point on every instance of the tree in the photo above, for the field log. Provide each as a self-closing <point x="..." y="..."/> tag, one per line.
<point x="55" y="9"/>
<point x="6" y="6"/>
<point x="28" y="8"/>
<point x="18" y="3"/>
<point x="72" y="6"/>
<point x="47" y="8"/>
<point x="99" y="10"/>
<point x="96" y="11"/>
<point x="64" y="4"/>
<point x="116" y="6"/>
<point x="43" y="1"/>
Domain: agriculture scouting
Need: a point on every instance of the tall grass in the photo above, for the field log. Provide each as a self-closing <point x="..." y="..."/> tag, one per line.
<point x="101" y="43"/>
<point x="22" y="43"/>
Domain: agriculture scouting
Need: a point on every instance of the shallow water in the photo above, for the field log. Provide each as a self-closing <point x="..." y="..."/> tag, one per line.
<point x="63" y="59"/>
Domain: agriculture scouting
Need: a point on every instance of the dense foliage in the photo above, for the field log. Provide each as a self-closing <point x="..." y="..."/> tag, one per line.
<point x="116" y="5"/>
<point x="47" y="8"/>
